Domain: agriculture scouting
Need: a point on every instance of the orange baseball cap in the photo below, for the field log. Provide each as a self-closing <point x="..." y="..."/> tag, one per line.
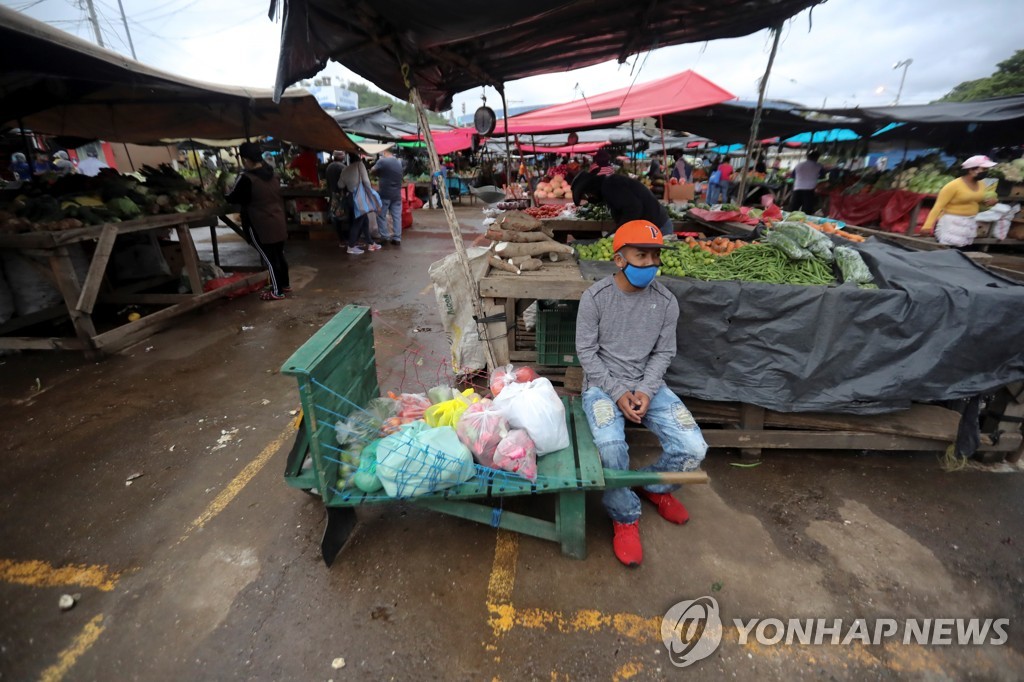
<point x="643" y="234"/>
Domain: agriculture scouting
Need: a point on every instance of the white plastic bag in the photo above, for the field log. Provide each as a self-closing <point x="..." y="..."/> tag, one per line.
<point x="535" y="407"/>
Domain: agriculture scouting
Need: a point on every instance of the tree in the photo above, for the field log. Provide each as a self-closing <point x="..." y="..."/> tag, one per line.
<point x="403" y="111"/>
<point x="1008" y="79"/>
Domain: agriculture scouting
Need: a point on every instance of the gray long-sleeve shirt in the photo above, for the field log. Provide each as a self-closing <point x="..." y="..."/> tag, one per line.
<point x="625" y="341"/>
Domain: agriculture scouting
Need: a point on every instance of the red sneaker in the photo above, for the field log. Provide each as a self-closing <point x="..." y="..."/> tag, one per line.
<point x="626" y="543"/>
<point x="669" y="507"/>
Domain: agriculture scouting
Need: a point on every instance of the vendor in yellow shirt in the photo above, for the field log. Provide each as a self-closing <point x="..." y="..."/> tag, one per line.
<point x="952" y="217"/>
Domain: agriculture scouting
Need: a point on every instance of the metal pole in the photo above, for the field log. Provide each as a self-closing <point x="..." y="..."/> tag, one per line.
<point x="95" y="23"/>
<point x="632" y="134"/>
<point x="453" y="227"/>
<point x="508" y="153"/>
<point x="664" y="157"/>
<point x="124" y="20"/>
<point x="129" y="155"/>
<point x="757" y="112"/>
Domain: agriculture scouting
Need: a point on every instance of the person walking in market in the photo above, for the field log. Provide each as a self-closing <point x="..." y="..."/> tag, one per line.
<point x="356" y="181"/>
<point x="805" y="181"/>
<point x="953" y="216"/>
<point x="258" y="191"/>
<point x="625" y="340"/>
<point x="388" y="170"/>
<point x="627" y="199"/>
<point x="336" y="196"/>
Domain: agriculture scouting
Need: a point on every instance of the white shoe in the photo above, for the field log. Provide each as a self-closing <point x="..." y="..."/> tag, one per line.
<point x="355" y="251"/>
<point x="373" y="247"/>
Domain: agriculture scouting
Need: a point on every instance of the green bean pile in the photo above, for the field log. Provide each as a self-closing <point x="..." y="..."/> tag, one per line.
<point x="753" y="263"/>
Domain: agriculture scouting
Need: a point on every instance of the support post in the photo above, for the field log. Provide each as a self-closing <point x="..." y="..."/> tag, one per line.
<point x="508" y="152"/>
<point x="760" y="106"/>
<point x="453" y="226"/>
<point x="664" y="156"/>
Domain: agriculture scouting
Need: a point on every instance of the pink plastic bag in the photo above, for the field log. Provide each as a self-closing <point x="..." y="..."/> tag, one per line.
<point x="481" y="428"/>
<point x="503" y="376"/>
<point x="517" y="453"/>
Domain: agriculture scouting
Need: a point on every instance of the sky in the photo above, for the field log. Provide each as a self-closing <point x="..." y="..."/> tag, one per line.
<point x="840" y="53"/>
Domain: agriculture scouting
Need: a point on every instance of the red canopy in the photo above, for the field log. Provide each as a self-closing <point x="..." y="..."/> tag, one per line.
<point x="449" y="141"/>
<point x="581" y="148"/>
<point x="681" y="92"/>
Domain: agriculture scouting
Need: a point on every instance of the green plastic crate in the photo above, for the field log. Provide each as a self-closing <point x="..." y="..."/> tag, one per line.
<point x="556" y="333"/>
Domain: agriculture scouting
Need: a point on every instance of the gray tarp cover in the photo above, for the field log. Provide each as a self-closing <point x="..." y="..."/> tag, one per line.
<point x="939" y="328"/>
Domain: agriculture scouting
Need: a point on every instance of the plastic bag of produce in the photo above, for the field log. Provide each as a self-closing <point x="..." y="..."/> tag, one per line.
<point x="517" y="453"/>
<point x="787" y="245"/>
<point x="852" y="266"/>
<point x="438" y="394"/>
<point x="417" y="460"/>
<point x="447" y="413"/>
<point x="365" y="477"/>
<point x="808" y="238"/>
<point x="410" y="405"/>
<point x="503" y="376"/>
<point x="480" y="429"/>
<point x="535" y="407"/>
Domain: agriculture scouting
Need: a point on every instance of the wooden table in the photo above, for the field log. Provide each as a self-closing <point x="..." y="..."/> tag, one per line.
<point x="743" y="426"/>
<point x="81" y="297"/>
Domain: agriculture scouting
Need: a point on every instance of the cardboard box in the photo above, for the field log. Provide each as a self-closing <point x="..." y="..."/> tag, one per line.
<point x="312" y="218"/>
<point x="681" y="192"/>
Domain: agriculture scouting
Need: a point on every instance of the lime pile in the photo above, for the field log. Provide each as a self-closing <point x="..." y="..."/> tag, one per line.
<point x="599" y="250"/>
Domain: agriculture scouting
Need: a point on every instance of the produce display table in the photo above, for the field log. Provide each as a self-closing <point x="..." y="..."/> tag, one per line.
<point x="81" y="297"/>
<point x="917" y="427"/>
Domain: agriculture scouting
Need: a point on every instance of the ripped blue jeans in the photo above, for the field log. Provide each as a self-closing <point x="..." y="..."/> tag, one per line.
<point x="683" y="446"/>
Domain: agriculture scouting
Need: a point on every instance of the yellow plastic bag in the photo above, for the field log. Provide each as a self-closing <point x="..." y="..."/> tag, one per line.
<point x="447" y="413"/>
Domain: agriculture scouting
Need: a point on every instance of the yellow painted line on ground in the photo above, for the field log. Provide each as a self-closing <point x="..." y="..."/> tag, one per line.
<point x="42" y="574"/>
<point x="67" y="659"/>
<point x="239" y="482"/>
<point x="892" y="656"/>
<point x="628" y="671"/>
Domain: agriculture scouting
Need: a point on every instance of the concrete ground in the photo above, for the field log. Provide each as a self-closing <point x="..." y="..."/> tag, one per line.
<point x="207" y="566"/>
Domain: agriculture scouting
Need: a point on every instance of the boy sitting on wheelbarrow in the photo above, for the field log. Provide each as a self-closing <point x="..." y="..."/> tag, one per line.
<point x="625" y="340"/>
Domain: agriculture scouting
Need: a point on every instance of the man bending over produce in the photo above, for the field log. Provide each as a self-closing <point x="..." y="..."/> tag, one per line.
<point x="625" y="340"/>
<point x="627" y="199"/>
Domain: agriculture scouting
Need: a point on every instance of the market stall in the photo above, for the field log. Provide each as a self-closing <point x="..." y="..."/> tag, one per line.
<point x="89" y="249"/>
<point x="80" y="296"/>
<point x="837" y="367"/>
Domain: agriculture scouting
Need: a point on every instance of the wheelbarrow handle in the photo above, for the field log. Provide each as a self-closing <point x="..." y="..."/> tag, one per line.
<point x="614" y="478"/>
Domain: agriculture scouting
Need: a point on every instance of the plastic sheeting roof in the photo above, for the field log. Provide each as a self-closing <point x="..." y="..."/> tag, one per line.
<point x="376" y="122"/>
<point x="729" y="122"/>
<point x="454" y="46"/>
<point x="967" y="127"/>
<point x="55" y="83"/>
<point x="679" y="92"/>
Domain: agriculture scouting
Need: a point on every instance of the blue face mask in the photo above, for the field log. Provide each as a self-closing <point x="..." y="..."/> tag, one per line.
<point x="638" y="276"/>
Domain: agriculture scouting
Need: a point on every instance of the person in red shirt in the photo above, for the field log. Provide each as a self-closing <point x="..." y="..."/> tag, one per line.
<point x="725" y="171"/>
<point x="306" y="164"/>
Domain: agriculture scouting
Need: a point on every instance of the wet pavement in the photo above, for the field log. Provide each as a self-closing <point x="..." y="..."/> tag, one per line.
<point x="204" y="565"/>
